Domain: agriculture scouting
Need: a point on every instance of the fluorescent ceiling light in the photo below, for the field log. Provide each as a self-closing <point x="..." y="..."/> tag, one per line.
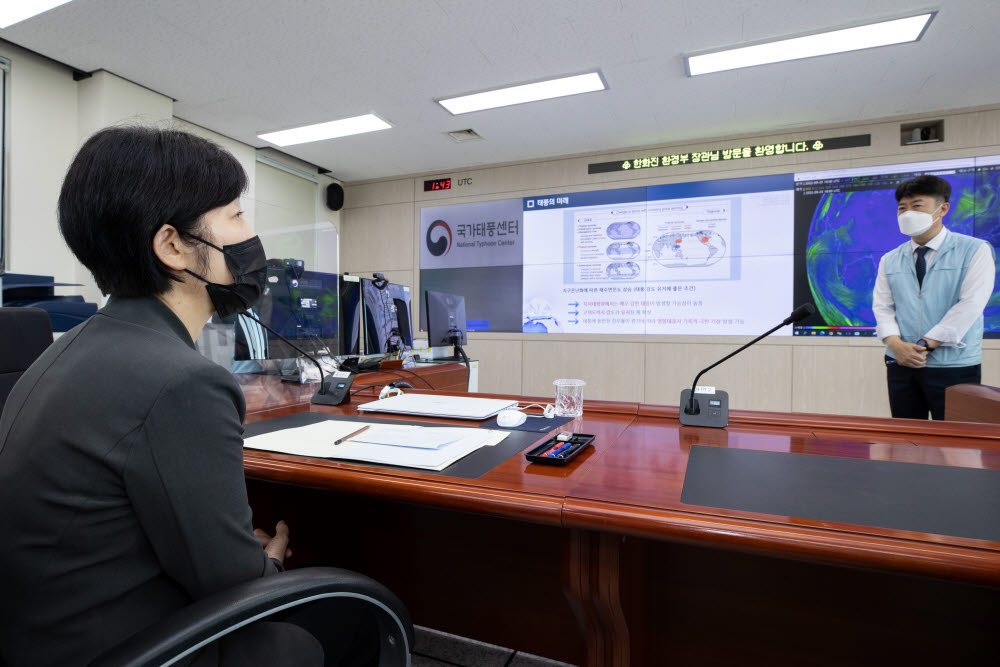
<point x="884" y="33"/>
<point x="332" y="130"/>
<point x="530" y="92"/>
<point x="15" y="11"/>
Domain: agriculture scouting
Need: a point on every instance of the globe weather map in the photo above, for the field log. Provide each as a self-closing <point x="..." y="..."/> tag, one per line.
<point x="849" y="231"/>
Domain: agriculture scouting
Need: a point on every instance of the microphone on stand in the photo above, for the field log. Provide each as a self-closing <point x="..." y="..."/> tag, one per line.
<point x="716" y="411"/>
<point x="323" y="396"/>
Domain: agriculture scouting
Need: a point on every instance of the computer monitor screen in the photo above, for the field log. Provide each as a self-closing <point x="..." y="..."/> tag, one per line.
<point x="351" y="320"/>
<point x="302" y="306"/>
<point x="388" y="319"/>
<point x="445" y="317"/>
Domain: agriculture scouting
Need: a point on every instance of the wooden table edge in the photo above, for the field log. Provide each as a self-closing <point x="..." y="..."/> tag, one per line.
<point x="957" y="563"/>
<point x="817" y="421"/>
<point x="446" y="493"/>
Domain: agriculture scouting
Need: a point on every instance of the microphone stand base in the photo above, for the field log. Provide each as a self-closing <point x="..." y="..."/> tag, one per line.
<point x="326" y="399"/>
<point x="710" y="410"/>
<point x="333" y="391"/>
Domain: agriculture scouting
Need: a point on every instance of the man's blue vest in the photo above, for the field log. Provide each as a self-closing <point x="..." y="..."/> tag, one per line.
<point x="918" y="308"/>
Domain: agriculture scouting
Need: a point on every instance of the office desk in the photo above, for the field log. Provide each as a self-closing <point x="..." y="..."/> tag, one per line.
<point x="264" y="393"/>
<point x="972" y="403"/>
<point x="599" y="563"/>
<point x="717" y="584"/>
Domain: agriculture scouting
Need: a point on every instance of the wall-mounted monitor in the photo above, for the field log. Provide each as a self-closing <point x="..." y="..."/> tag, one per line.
<point x="710" y="257"/>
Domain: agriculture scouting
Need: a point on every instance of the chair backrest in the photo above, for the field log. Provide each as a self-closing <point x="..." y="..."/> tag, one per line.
<point x="24" y="335"/>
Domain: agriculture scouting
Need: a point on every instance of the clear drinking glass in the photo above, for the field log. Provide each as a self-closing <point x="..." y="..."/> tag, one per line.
<point x="569" y="397"/>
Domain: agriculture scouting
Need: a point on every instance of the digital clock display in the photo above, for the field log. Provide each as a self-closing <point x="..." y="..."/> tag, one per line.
<point x="439" y="184"/>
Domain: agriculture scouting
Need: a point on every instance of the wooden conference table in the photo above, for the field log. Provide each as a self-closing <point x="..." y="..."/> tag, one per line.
<point x="600" y="563"/>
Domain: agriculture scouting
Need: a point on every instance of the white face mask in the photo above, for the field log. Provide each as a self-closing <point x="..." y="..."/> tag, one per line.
<point x="915" y="223"/>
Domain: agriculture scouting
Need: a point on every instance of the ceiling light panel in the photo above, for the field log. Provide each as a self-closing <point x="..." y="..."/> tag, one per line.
<point x="841" y="40"/>
<point x="321" y="131"/>
<point x="530" y="92"/>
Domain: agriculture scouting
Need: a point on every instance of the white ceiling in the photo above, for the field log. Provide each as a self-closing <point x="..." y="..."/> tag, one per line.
<point x="241" y="67"/>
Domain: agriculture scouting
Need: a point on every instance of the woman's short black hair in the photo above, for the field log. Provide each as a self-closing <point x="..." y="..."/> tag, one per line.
<point x="927" y="185"/>
<point x="127" y="182"/>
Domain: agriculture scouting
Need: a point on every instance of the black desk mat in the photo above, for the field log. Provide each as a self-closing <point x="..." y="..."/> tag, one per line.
<point x="942" y="500"/>
<point x="473" y="466"/>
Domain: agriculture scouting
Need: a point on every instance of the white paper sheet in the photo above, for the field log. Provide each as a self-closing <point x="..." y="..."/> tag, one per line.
<point x="312" y="440"/>
<point x="395" y="445"/>
<point x="420" y="437"/>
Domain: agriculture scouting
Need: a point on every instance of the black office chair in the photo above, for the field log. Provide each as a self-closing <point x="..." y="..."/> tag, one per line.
<point x="207" y="620"/>
<point x="24" y="334"/>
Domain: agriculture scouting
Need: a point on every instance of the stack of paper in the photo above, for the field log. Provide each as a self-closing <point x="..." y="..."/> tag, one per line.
<point x="426" y="447"/>
<point x="439" y="405"/>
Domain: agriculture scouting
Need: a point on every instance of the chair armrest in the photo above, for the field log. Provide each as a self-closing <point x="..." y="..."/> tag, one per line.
<point x="206" y="620"/>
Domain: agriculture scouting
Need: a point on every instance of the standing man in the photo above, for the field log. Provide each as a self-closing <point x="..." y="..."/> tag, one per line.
<point x="928" y="302"/>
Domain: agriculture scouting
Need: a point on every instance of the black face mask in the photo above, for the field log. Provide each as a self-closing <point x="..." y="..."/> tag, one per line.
<point x="248" y="264"/>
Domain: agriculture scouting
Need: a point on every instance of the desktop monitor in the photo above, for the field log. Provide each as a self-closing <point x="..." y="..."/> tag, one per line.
<point x="352" y="341"/>
<point x="445" y="318"/>
<point x="302" y="306"/>
<point x="388" y="318"/>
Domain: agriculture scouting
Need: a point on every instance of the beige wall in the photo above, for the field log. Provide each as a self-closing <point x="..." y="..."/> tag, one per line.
<point x="51" y="115"/>
<point x="379" y="233"/>
<point x="43" y="140"/>
<point x="104" y="99"/>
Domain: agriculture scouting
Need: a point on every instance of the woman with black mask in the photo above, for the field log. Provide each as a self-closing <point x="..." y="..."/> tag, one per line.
<point x="121" y="461"/>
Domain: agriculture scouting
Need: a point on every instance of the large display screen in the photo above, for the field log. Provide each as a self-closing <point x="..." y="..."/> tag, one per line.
<point x="721" y="257"/>
<point x="845" y="221"/>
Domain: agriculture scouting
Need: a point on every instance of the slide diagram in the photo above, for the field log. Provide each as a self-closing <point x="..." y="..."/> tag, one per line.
<point x="669" y="241"/>
<point x="607" y="245"/>
<point x="690" y="240"/>
<point x="623" y="250"/>
<point x="539" y="317"/>
<point x="622" y="270"/>
<point x="623" y="230"/>
<point x="701" y="248"/>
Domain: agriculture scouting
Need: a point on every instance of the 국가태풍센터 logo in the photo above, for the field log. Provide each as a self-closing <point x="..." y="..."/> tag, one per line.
<point x="442" y="243"/>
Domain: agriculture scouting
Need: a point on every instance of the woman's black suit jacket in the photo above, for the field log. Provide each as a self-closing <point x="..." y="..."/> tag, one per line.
<point x="122" y="495"/>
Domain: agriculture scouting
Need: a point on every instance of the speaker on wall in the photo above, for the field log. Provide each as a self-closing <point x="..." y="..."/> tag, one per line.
<point x="334" y="196"/>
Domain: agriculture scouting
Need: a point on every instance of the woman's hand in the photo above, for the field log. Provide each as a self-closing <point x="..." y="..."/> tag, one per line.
<point x="276" y="547"/>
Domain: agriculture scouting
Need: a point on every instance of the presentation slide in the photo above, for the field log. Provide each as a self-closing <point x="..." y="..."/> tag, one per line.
<point x="671" y="259"/>
<point x="719" y="257"/>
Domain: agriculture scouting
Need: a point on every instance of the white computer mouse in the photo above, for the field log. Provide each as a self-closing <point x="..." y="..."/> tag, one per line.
<point x="510" y="418"/>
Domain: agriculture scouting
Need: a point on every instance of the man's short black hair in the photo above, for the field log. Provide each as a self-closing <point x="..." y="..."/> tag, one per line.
<point x="927" y="185"/>
<point x="127" y="182"/>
